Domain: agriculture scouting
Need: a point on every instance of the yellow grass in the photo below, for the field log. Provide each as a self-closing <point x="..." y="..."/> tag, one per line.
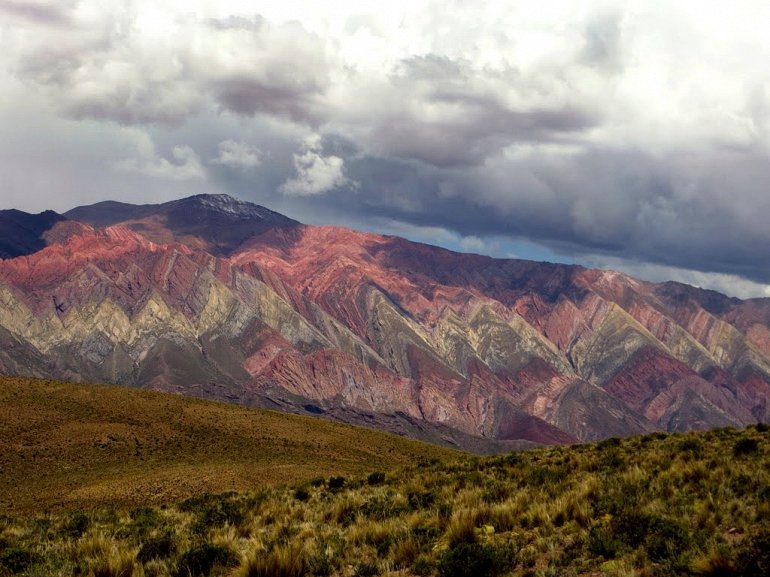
<point x="65" y="445"/>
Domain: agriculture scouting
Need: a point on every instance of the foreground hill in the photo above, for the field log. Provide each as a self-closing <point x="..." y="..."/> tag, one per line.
<point x="68" y="445"/>
<point x="219" y="298"/>
<point x="679" y="504"/>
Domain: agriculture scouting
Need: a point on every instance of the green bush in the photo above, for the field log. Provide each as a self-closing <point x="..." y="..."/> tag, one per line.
<point x="376" y="478"/>
<point x="161" y="547"/>
<point x="602" y="542"/>
<point x="608" y="443"/>
<point x="214" y="510"/>
<point x="666" y="539"/>
<point x="745" y="446"/>
<point x="473" y="560"/>
<point x="692" y="445"/>
<point x="76" y="526"/>
<point x="420" y="499"/>
<point x="422" y="566"/>
<point x="754" y="556"/>
<point x="381" y="507"/>
<point x="336" y="483"/>
<point x="200" y="561"/>
<point x="16" y="559"/>
<point x="144" y="520"/>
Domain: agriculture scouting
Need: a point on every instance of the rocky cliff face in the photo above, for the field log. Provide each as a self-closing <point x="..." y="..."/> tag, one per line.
<point x="215" y="297"/>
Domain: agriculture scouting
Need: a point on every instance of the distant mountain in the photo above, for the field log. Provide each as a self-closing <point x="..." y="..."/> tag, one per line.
<point x="215" y="297"/>
<point x="217" y="223"/>
<point x="22" y="233"/>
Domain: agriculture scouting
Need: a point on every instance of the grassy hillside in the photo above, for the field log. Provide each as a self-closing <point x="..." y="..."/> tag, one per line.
<point x="683" y="504"/>
<point x="66" y="445"/>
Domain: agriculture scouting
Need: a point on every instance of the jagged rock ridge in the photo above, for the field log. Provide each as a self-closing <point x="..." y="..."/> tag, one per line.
<point x="224" y="299"/>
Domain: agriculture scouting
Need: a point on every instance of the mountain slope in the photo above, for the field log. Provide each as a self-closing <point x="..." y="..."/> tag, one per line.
<point x="459" y="349"/>
<point x="22" y="233"/>
<point x="68" y="445"/>
<point x="216" y="223"/>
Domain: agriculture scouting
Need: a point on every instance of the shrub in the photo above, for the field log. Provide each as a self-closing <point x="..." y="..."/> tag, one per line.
<point x="144" y="520"/>
<point x="214" y="510"/>
<point x="473" y="560"/>
<point x="630" y="527"/>
<point x="607" y="443"/>
<point x="666" y="539"/>
<point x="692" y="445"/>
<point x="76" y="526"/>
<point x="422" y="566"/>
<point x="420" y="499"/>
<point x="336" y="483"/>
<point x="382" y="507"/>
<point x="376" y="478"/>
<point x="16" y="559"/>
<point x="200" y="561"/>
<point x="743" y="484"/>
<point x="301" y="494"/>
<point x="754" y="556"/>
<point x="602" y="542"/>
<point x="663" y="539"/>
<point x="745" y="446"/>
<point x="160" y="547"/>
<point x="496" y="492"/>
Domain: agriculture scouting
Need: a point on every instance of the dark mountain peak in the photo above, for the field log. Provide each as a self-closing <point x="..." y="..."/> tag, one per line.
<point x="21" y="233"/>
<point x="217" y="223"/>
<point x="109" y="212"/>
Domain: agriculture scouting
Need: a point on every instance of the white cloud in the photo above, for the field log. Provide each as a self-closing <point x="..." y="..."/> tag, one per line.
<point x="728" y="284"/>
<point x="316" y="173"/>
<point x="426" y="234"/>
<point x="184" y="164"/>
<point x="239" y="155"/>
<point x="473" y="244"/>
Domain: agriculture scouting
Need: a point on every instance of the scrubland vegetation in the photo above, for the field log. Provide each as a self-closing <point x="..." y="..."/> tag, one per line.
<point x="679" y="504"/>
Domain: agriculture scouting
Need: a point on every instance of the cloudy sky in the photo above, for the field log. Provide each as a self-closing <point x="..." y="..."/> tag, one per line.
<point x="632" y="135"/>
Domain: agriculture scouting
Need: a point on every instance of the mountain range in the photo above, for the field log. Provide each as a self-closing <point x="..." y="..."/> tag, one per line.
<point x="219" y="298"/>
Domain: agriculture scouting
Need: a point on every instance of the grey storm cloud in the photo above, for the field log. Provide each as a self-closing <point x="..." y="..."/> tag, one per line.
<point x="279" y="70"/>
<point x="452" y="114"/>
<point x="613" y="132"/>
<point x="640" y="207"/>
<point x="106" y="70"/>
<point x="603" y="42"/>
